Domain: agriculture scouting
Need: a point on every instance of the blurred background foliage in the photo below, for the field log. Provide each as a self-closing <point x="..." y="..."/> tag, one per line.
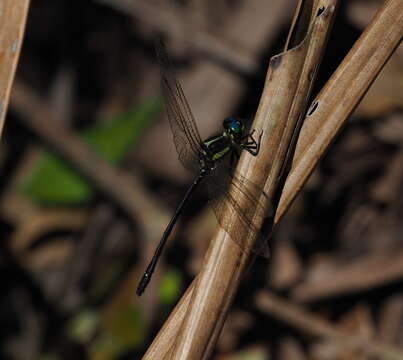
<point x="52" y="182"/>
<point x="71" y="255"/>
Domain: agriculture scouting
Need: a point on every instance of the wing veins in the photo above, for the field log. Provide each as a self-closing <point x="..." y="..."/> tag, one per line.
<point x="179" y="113"/>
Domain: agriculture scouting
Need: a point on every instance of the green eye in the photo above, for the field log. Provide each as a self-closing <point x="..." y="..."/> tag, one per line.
<point x="236" y="128"/>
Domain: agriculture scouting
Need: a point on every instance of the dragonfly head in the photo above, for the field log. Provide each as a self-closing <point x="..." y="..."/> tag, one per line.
<point x="233" y="127"/>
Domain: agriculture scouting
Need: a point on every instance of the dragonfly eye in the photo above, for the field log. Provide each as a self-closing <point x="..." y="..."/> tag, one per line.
<point x="233" y="125"/>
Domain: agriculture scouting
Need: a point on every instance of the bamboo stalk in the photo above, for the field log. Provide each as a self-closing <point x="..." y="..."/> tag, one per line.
<point x="13" y="14"/>
<point x="348" y="84"/>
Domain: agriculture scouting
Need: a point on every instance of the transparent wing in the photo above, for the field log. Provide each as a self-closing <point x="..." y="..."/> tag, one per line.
<point x="183" y="126"/>
<point x="239" y="206"/>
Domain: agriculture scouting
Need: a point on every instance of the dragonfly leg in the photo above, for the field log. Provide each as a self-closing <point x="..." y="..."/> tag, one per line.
<point x="252" y="146"/>
<point x="250" y="135"/>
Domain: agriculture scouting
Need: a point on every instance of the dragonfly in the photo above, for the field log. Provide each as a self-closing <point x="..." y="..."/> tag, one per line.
<point x="212" y="161"/>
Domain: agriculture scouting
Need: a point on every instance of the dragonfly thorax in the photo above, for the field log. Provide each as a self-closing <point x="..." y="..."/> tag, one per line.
<point x="214" y="148"/>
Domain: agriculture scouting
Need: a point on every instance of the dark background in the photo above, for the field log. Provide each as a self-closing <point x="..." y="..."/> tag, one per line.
<point x="71" y="254"/>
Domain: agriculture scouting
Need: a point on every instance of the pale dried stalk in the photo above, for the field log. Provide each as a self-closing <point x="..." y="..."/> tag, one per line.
<point x="13" y="14"/>
<point x="342" y="94"/>
<point x="283" y="101"/>
<point x="348" y="85"/>
<point x="289" y="80"/>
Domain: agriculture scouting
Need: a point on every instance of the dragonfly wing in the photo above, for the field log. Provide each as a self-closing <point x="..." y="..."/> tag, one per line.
<point x="240" y="207"/>
<point x="183" y="126"/>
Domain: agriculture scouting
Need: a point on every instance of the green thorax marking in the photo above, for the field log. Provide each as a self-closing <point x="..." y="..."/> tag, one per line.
<point x="216" y="147"/>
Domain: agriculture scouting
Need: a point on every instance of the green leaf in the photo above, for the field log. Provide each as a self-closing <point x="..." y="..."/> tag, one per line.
<point x="50" y="356"/>
<point x="251" y="354"/>
<point x="53" y="182"/>
<point x="83" y="325"/>
<point x="171" y="284"/>
<point x="124" y="329"/>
